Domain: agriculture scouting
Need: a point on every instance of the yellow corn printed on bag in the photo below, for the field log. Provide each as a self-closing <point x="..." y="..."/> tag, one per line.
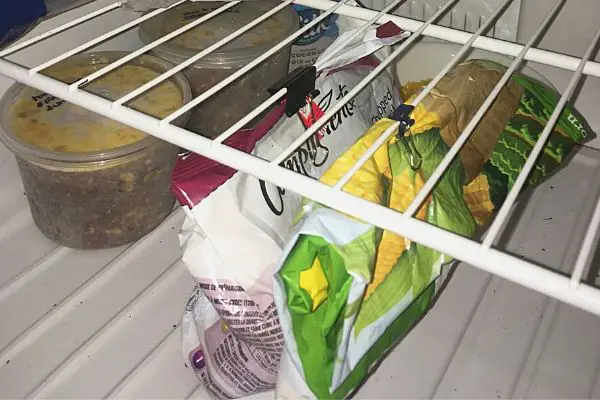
<point x="345" y="290"/>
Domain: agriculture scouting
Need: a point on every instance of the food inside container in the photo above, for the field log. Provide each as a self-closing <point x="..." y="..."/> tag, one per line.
<point x="220" y="111"/>
<point x="92" y="182"/>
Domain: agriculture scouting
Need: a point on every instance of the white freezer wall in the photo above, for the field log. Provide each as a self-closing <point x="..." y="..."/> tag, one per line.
<point x="465" y="15"/>
<point x="571" y="31"/>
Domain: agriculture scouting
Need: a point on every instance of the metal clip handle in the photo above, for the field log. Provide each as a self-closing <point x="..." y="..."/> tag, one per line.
<point x="300" y="84"/>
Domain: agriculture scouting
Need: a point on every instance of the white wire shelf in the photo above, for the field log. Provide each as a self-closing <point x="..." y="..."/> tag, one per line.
<point x="483" y="255"/>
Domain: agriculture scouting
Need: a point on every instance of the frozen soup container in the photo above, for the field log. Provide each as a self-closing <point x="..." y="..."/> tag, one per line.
<point x="226" y="107"/>
<point x="92" y="182"/>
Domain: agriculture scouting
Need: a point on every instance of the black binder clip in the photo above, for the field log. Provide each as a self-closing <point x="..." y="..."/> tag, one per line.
<point x="300" y="85"/>
<point x="402" y="115"/>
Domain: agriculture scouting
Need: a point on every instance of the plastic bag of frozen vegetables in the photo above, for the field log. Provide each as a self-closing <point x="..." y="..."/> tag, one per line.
<point x="346" y="291"/>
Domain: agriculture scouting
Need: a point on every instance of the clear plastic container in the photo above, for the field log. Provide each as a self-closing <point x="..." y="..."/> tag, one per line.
<point x="92" y="182"/>
<point x="426" y="58"/>
<point x="223" y="109"/>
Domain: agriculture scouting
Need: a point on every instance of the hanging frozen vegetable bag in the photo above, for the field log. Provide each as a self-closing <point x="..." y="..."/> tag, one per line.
<point x="345" y="290"/>
<point x="236" y="224"/>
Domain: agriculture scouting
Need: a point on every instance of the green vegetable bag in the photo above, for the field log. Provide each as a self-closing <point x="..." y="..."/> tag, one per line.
<point x="346" y="291"/>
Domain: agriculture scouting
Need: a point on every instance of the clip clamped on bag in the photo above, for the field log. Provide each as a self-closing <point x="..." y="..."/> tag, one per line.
<point x="402" y="115"/>
<point x="300" y="84"/>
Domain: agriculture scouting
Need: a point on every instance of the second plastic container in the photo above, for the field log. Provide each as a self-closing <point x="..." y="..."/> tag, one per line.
<point x="226" y="107"/>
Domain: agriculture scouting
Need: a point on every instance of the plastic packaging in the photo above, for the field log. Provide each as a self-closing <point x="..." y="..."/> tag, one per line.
<point x="231" y="313"/>
<point x="236" y="227"/>
<point x="223" y="109"/>
<point x="308" y="47"/>
<point x="92" y="182"/>
<point x="370" y="41"/>
<point x="347" y="291"/>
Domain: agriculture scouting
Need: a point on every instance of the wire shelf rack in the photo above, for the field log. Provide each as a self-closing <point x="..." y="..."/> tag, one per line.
<point x="480" y="254"/>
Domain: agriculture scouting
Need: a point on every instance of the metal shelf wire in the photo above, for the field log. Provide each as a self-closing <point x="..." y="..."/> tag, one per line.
<point x="483" y="255"/>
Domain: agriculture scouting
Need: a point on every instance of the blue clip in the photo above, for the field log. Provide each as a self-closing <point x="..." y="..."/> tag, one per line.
<point x="402" y="115"/>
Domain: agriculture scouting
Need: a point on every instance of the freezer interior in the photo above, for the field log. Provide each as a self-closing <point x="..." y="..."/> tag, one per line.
<point x="105" y="323"/>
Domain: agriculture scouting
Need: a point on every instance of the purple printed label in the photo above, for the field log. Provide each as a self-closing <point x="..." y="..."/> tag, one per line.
<point x="197" y="359"/>
<point x="242" y="349"/>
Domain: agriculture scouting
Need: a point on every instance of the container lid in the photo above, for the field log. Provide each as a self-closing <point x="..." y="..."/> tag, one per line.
<point x="41" y="123"/>
<point x="249" y="44"/>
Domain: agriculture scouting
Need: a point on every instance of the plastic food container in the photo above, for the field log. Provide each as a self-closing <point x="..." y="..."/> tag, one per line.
<point x="428" y="57"/>
<point x="223" y="109"/>
<point x="92" y="182"/>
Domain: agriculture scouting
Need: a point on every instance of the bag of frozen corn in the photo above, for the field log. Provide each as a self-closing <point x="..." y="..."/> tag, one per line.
<point x="345" y="290"/>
